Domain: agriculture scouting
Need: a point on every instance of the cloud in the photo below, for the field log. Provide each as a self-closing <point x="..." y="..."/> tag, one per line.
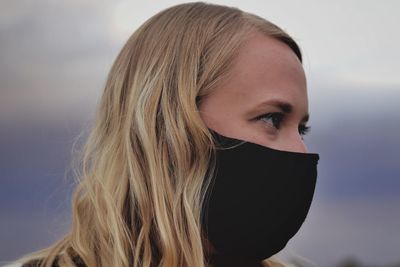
<point x="363" y="228"/>
<point x="55" y="58"/>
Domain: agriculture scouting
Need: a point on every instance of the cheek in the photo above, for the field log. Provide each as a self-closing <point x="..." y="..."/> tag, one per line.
<point x="220" y="118"/>
<point x="260" y="132"/>
<point x="263" y="128"/>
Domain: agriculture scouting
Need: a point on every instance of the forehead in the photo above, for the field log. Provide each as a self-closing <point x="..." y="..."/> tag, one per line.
<point x="266" y="68"/>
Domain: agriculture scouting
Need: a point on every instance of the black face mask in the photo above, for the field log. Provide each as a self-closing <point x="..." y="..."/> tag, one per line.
<point x="257" y="200"/>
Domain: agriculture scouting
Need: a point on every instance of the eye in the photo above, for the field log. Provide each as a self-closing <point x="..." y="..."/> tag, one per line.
<point x="275" y="117"/>
<point x="303" y="129"/>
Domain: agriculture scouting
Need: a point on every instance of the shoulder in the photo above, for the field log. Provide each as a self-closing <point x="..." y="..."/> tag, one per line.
<point x="12" y="265"/>
<point x="36" y="262"/>
<point x="32" y="263"/>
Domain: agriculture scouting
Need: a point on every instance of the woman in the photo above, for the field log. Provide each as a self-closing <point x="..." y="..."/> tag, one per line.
<point x="196" y="156"/>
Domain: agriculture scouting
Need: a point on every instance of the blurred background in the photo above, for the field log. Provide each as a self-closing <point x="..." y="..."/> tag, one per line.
<point x="54" y="58"/>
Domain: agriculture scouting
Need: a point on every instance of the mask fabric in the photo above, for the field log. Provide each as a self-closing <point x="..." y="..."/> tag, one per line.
<point x="257" y="200"/>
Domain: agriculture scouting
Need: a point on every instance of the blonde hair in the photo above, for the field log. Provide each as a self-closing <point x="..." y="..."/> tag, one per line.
<point x="143" y="169"/>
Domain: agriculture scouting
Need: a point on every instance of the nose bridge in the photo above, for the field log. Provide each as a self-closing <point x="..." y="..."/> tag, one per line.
<point x="295" y="142"/>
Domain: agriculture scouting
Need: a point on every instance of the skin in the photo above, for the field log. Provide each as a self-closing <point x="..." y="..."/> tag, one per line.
<point x="265" y="69"/>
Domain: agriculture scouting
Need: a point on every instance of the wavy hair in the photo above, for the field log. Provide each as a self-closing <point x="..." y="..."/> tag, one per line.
<point x="142" y="174"/>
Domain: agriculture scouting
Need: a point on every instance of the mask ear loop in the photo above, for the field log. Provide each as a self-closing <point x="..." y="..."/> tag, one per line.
<point x="224" y="143"/>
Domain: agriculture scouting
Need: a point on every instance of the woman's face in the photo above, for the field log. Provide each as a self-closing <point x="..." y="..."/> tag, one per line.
<point x="267" y="78"/>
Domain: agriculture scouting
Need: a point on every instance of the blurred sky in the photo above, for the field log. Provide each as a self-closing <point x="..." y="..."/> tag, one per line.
<point x="54" y="58"/>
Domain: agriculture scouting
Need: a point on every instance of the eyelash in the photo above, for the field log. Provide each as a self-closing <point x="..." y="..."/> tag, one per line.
<point x="277" y="118"/>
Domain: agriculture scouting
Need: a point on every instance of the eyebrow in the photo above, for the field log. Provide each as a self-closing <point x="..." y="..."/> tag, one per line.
<point x="285" y="107"/>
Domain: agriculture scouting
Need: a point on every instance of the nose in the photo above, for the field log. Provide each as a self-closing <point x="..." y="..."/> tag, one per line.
<point x="296" y="143"/>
